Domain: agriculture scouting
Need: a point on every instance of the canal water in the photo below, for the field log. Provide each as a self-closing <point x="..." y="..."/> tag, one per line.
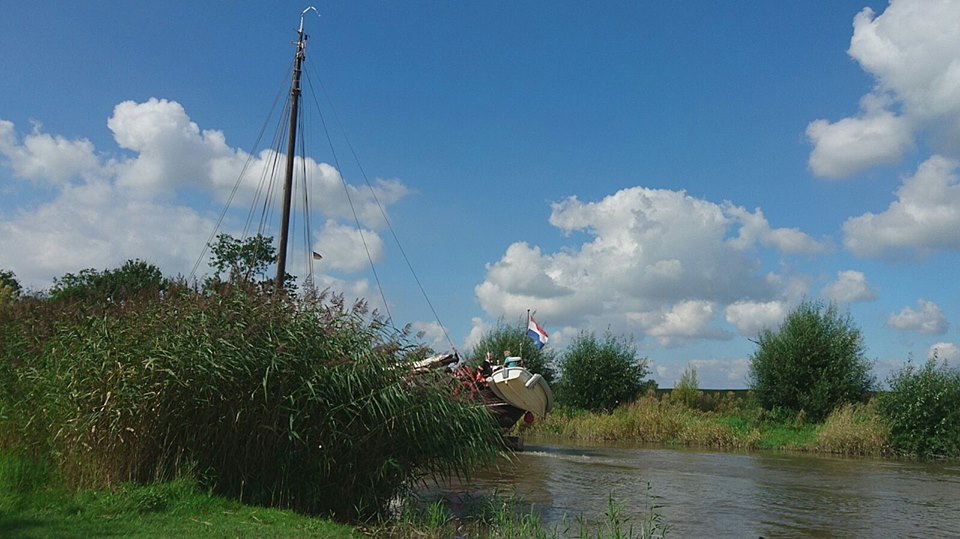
<point x="725" y="494"/>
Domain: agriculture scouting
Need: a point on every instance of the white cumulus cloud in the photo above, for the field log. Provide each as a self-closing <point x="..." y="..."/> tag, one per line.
<point x="850" y="287"/>
<point x="848" y="146"/>
<point x="157" y="197"/>
<point x="911" y="51"/>
<point x="346" y="248"/>
<point x="945" y="351"/>
<point x="47" y="158"/>
<point x="656" y="261"/>
<point x="928" y="319"/>
<point x="680" y="323"/>
<point x="751" y="317"/>
<point x="924" y="218"/>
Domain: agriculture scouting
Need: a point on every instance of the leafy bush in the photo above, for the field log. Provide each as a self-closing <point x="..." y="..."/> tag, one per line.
<point x="268" y="399"/>
<point x="687" y="389"/>
<point x="922" y="410"/>
<point x="9" y="288"/>
<point x="514" y="339"/>
<point x="9" y="281"/>
<point x="813" y="363"/>
<point x="134" y="277"/>
<point x="600" y="375"/>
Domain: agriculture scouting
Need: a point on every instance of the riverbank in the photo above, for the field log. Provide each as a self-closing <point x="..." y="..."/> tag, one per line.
<point x="730" y="423"/>
<point x="34" y="503"/>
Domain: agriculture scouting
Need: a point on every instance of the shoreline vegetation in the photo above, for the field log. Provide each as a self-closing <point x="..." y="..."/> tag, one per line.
<point x="724" y="421"/>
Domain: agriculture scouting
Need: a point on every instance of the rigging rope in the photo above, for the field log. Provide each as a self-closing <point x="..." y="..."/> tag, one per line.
<point x="383" y="212"/>
<point x="265" y="194"/>
<point x="236" y="185"/>
<point x="346" y="190"/>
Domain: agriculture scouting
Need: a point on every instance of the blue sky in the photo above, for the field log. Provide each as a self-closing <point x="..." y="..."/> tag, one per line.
<point x="681" y="173"/>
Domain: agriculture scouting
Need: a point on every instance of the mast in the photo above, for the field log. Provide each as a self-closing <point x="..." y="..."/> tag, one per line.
<point x="291" y="151"/>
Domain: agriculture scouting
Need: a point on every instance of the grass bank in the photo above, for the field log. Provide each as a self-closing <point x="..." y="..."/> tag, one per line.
<point x="733" y="423"/>
<point x="35" y="503"/>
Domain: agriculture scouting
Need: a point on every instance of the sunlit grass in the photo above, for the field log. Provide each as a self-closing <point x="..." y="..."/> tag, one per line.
<point x="34" y="504"/>
<point x="854" y="429"/>
<point x="851" y="429"/>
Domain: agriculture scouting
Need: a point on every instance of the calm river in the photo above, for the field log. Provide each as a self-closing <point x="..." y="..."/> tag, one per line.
<point x="707" y="494"/>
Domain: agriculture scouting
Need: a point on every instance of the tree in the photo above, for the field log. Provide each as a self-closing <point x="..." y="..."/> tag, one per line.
<point x="9" y="287"/>
<point x="813" y="363"/>
<point x="687" y="389"/>
<point x="245" y="261"/>
<point x="9" y="281"/>
<point x="134" y="277"/>
<point x="514" y="339"/>
<point x="600" y="375"/>
<point x="921" y="408"/>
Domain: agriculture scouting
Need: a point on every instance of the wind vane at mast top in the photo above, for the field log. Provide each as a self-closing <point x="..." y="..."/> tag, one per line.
<point x="291" y="150"/>
<point x="303" y="13"/>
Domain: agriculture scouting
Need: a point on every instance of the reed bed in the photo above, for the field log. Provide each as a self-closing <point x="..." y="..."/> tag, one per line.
<point x="854" y="429"/>
<point x="850" y="430"/>
<point x="293" y="403"/>
<point x="650" y="420"/>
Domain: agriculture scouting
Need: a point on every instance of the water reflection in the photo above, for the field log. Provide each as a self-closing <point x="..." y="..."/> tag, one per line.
<point x="706" y="494"/>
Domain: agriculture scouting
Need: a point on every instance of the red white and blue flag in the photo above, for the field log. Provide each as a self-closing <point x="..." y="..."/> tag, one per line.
<point x="536" y="333"/>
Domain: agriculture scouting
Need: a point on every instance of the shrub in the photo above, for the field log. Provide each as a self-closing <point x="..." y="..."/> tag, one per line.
<point x="600" y="375"/>
<point x="813" y="363"/>
<point x="687" y="389"/>
<point x="922" y="410"/>
<point x="514" y="339"/>
<point x="9" y="288"/>
<point x="272" y="400"/>
<point x="134" y="277"/>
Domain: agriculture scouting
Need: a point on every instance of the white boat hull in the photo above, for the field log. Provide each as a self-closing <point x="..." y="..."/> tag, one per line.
<point x="522" y="389"/>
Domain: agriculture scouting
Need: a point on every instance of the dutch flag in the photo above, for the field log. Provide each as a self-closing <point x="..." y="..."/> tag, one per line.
<point x="536" y="333"/>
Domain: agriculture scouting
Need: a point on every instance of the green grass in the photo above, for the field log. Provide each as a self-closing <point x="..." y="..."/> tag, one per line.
<point x="33" y="504"/>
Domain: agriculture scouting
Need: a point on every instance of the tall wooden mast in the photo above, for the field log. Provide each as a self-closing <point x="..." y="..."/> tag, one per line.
<point x="291" y="153"/>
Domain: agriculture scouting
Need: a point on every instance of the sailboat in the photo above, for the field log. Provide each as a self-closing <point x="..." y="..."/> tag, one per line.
<point x="509" y="391"/>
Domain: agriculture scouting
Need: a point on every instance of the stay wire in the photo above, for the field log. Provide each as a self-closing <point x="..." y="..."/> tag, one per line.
<point x="383" y="212"/>
<point x="346" y="190"/>
<point x="236" y="185"/>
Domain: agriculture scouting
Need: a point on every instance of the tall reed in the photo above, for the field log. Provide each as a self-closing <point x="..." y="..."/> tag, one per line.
<point x="854" y="429"/>
<point x="295" y="403"/>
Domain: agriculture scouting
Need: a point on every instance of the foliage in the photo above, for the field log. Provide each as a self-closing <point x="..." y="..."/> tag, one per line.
<point x="6" y="296"/>
<point x="922" y="409"/>
<point x="687" y="389"/>
<point x="242" y="260"/>
<point x="813" y="363"/>
<point x="287" y="402"/>
<point x="134" y="277"/>
<point x="854" y="429"/>
<point x="514" y="339"/>
<point x="600" y="375"/>
<point x="9" y="285"/>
